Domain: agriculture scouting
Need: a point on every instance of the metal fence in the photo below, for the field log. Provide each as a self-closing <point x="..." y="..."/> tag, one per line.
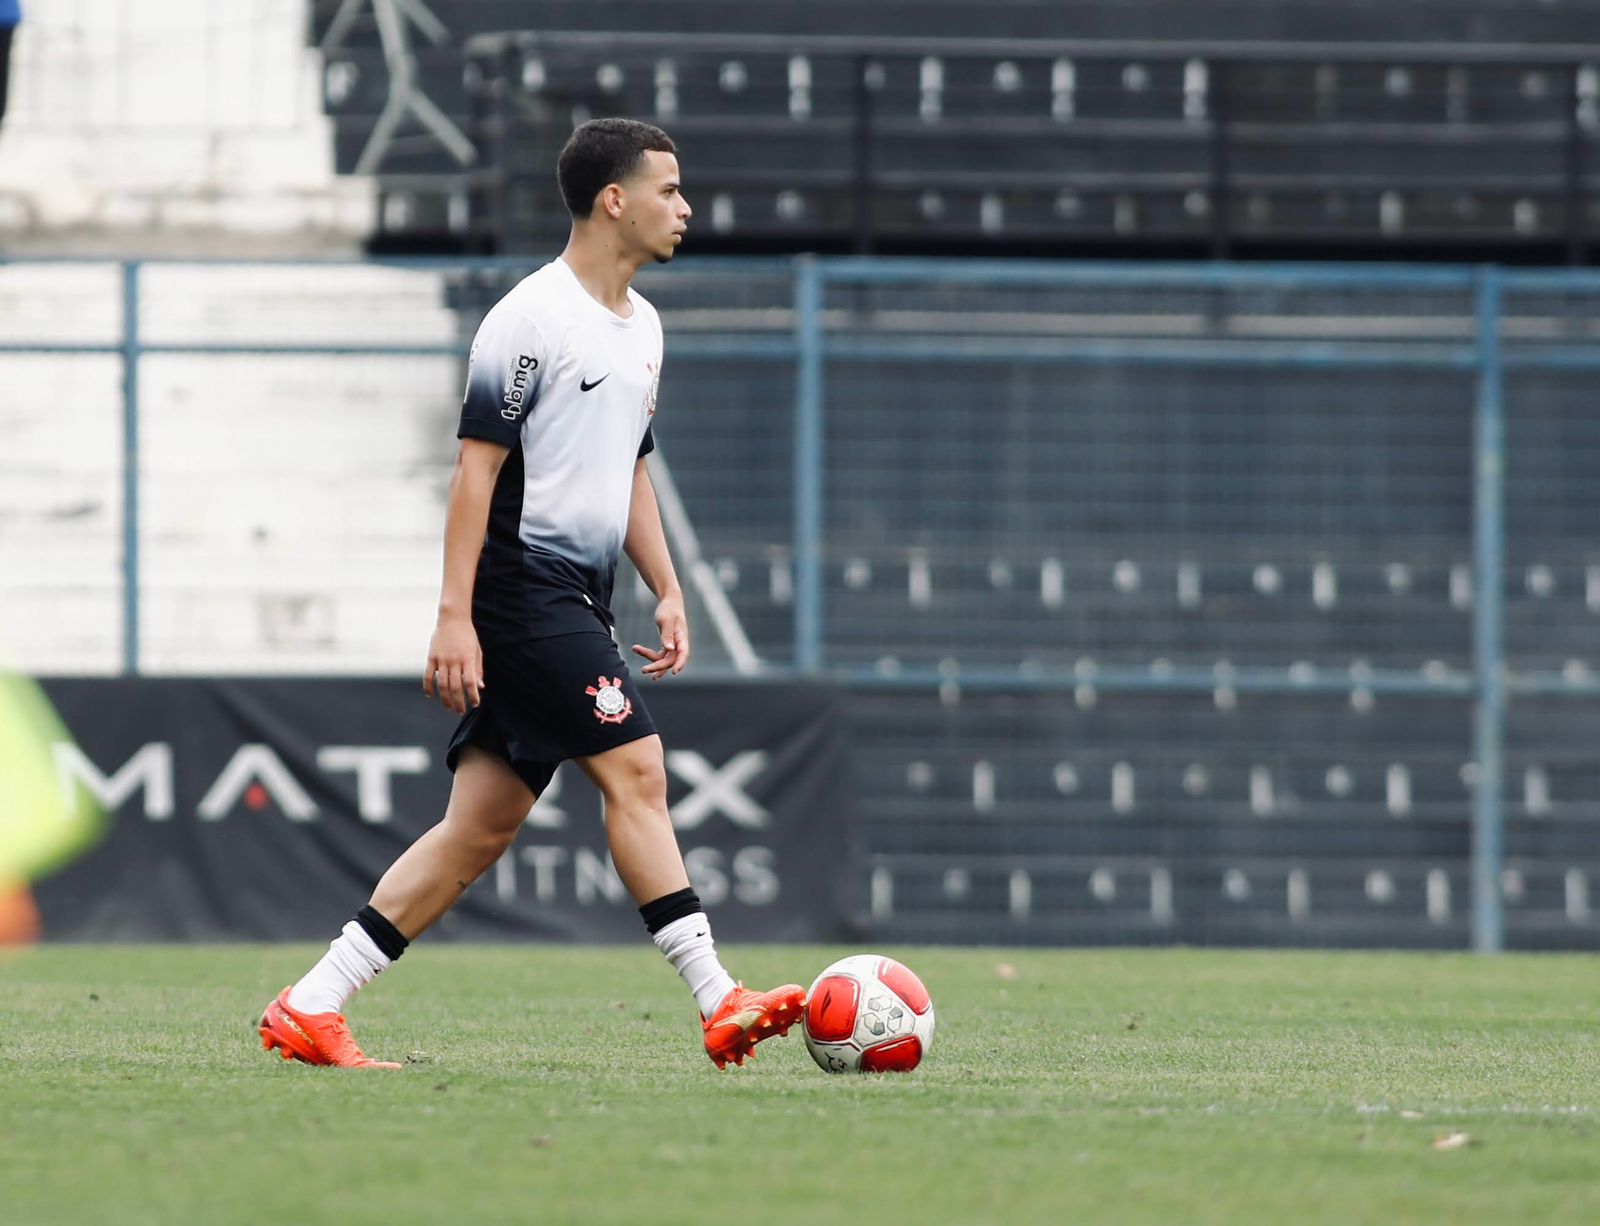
<point x="1210" y="603"/>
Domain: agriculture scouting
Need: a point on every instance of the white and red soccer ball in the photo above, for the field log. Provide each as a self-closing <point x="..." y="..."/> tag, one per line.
<point x="868" y="1014"/>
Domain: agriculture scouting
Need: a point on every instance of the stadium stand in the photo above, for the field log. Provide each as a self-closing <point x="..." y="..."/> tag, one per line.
<point x="1311" y="129"/>
<point x="987" y="512"/>
<point x="1278" y="820"/>
<point x="1063" y="147"/>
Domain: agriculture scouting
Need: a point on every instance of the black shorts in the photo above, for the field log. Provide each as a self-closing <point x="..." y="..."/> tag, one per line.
<point x="547" y="700"/>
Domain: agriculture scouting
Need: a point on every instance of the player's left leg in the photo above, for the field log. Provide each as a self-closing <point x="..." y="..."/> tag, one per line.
<point x="632" y="778"/>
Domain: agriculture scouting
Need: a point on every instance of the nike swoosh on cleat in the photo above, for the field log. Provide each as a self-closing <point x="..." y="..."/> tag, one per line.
<point x="744" y="1020"/>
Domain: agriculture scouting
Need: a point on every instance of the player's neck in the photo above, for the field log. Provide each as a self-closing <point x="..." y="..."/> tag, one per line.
<point x="602" y="268"/>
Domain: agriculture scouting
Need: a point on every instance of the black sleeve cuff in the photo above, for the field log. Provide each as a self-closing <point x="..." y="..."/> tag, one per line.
<point x="490" y="432"/>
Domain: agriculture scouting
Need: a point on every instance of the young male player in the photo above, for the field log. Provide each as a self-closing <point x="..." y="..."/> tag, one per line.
<point x="549" y="484"/>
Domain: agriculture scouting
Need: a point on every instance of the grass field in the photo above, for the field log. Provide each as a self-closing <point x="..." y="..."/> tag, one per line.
<point x="567" y="1085"/>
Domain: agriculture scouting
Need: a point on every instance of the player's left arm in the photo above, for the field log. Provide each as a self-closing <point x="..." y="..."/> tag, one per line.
<point x="646" y="547"/>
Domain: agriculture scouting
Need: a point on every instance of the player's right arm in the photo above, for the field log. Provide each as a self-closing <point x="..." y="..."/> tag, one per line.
<point x="455" y="658"/>
<point x="503" y="377"/>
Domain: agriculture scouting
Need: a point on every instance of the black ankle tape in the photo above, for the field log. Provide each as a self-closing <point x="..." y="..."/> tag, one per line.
<point x="384" y="934"/>
<point x="669" y="907"/>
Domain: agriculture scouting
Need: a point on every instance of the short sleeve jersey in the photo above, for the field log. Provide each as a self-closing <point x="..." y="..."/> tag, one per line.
<point x="570" y="387"/>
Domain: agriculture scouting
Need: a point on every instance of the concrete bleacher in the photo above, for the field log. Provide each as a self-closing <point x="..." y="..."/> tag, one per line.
<point x="1004" y="144"/>
<point x="1278" y="820"/>
<point x="187" y="126"/>
<point x="1330" y="609"/>
<point x="1019" y="144"/>
<point x="1472" y="22"/>
<point x="1025" y="141"/>
<point x="1213" y="606"/>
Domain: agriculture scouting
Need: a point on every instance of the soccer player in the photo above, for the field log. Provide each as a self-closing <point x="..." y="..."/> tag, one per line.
<point x="550" y="482"/>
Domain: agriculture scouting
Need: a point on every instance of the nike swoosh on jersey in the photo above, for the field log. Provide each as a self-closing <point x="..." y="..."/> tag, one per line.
<point x="585" y="386"/>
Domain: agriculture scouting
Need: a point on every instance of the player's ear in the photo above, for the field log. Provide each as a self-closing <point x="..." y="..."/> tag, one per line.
<point x="611" y="196"/>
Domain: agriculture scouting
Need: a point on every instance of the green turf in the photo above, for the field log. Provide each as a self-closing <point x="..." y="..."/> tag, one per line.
<point x="567" y="1085"/>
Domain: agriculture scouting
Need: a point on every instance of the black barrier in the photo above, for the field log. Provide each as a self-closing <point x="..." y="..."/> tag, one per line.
<point x="267" y="809"/>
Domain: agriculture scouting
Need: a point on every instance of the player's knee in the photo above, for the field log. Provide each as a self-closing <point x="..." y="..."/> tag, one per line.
<point x="495" y="842"/>
<point x="484" y="841"/>
<point x="642" y="783"/>
<point x="649" y="779"/>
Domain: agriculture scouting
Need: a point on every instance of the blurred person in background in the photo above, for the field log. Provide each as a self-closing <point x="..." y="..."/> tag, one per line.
<point x="42" y="827"/>
<point x="10" y="16"/>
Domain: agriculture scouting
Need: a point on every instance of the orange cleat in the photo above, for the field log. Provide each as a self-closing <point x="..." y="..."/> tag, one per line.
<point x="312" y="1038"/>
<point x="744" y="1018"/>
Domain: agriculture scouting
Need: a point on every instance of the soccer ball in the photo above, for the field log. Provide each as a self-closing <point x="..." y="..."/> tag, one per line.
<point x="868" y="1014"/>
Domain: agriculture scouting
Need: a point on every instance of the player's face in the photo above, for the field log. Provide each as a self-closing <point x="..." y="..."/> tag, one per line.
<point x="656" y="214"/>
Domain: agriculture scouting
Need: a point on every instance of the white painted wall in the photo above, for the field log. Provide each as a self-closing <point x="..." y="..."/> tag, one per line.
<point x="171" y="121"/>
<point x="292" y="504"/>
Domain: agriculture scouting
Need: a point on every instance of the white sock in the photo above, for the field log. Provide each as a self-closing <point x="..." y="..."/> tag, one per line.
<point x="688" y="946"/>
<point x="352" y="962"/>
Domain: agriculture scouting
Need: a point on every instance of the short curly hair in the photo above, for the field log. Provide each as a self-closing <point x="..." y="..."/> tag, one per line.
<point x="604" y="151"/>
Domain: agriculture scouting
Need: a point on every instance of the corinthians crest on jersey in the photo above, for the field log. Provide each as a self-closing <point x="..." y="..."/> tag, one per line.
<point x="655" y="386"/>
<point x="611" y="705"/>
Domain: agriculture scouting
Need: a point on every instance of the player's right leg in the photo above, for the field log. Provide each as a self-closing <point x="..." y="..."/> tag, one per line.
<point x="488" y="802"/>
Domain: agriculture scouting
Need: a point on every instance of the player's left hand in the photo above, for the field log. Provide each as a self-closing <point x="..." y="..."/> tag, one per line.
<point x="674" y="653"/>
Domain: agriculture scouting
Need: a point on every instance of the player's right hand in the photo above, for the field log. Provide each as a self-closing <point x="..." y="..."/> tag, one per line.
<point x="455" y="665"/>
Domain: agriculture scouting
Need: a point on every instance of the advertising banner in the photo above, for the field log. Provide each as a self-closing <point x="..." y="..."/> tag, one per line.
<point x="266" y="809"/>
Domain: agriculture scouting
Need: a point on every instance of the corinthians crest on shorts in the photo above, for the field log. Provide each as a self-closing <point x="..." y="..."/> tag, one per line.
<point x="611" y="705"/>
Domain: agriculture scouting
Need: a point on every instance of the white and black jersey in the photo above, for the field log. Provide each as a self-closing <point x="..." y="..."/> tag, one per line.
<point x="570" y="387"/>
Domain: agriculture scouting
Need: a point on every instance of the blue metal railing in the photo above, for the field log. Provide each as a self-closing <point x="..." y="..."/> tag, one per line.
<point x="808" y="465"/>
<point x="1488" y="624"/>
<point x="130" y="467"/>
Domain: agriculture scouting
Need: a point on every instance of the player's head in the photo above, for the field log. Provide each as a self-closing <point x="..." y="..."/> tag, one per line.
<point x="624" y="174"/>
